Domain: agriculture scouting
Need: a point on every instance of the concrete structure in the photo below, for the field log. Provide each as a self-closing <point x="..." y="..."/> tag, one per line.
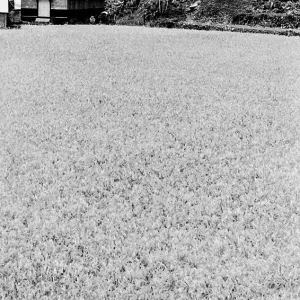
<point x="60" y="10"/>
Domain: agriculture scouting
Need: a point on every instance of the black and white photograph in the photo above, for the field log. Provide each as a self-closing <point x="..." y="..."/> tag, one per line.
<point x="149" y="149"/>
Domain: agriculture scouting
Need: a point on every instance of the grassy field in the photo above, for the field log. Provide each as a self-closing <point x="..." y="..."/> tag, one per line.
<point x="140" y="163"/>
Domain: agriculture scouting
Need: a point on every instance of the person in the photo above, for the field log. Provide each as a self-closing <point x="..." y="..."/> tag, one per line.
<point x="92" y="20"/>
<point x="104" y="17"/>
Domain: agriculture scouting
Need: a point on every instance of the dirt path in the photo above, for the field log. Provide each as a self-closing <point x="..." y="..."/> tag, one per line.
<point x="226" y="27"/>
<point x="241" y="28"/>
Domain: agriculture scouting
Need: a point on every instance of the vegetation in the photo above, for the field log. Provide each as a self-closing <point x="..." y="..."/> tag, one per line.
<point x="284" y="14"/>
<point x="141" y="163"/>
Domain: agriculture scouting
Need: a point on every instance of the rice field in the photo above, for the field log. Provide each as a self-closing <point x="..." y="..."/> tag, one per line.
<point x="141" y="163"/>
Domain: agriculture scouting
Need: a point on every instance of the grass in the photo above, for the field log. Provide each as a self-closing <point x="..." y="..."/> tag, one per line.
<point x="142" y="163"/>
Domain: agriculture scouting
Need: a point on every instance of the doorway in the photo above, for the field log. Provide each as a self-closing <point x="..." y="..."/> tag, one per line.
<point x="44" y="9"/>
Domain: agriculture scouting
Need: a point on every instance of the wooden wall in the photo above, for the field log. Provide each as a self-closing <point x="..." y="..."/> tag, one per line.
<point x="86" y="4"/>
<point x="59" y="4"/>
<point x="3" y="20"/>
<point x="55" y="4"/>
<point x="29" y="4"/>
<point x="63" y="4"/>
<point x="79" y="9"/>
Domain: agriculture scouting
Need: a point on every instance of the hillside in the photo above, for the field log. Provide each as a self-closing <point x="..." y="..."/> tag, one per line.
<point x="172" y="13"/>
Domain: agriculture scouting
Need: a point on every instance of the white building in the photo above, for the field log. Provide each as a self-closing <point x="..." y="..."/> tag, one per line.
<point x="3" y="13"/>
<point x="17" y="4"/>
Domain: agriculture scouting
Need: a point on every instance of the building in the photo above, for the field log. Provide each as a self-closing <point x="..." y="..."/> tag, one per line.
<point x="58" y="11"/>
<point x="14" y="16"/>
<point x="3" y="13"/>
